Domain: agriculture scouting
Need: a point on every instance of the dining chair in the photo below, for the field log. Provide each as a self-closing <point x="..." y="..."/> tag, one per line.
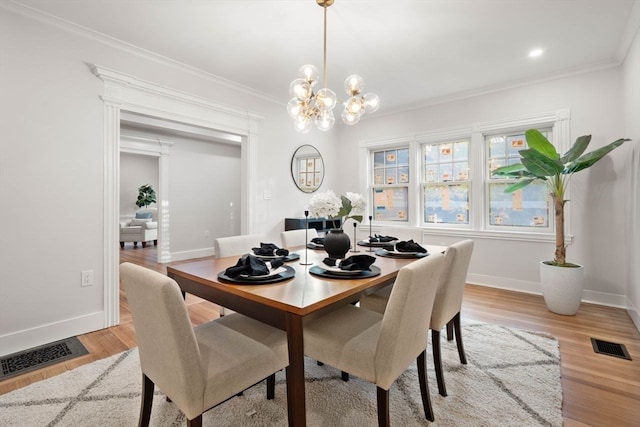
<point x="196" y="368"/>
<point x="379" y="347"/>
<point x="235" y="245"/>
<point x="447" y="305"/>
<point x="293" y="238"/>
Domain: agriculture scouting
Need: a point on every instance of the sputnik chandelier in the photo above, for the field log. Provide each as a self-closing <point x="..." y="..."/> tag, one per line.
<point x="307" y="107"/>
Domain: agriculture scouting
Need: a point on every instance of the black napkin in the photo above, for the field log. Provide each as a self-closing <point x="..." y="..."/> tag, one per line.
<point x="318" y="240"/>
<point x="269" y="249"/>
<point x="251" y="266"/>
<point x="410" y="246"/>
<point x="357" y="262"/>
<point x="377" y="238"/>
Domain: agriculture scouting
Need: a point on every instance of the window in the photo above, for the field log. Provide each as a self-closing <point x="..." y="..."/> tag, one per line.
<point x="445" y="180"/>
<point x="441" y="181"/>
<point x="391" y="178"/>
<point x="527" y="207"/>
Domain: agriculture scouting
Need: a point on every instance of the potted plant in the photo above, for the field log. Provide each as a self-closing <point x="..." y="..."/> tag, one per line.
<point x="146" y="196"/>
<point x="327" y="204"/>
<point x="562" y="282"/>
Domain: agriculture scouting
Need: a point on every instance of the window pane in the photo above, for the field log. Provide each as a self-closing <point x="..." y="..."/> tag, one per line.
<point x="391" y="204"/>
<point x="390" y="158"/>
<point x="403" y="157"/>
<point x="378" y="159"/>
<point x="447" y="204"/>
<point x="528" y="207"/>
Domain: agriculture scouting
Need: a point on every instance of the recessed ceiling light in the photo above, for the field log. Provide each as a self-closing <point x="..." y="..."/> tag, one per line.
<point x="535" y="53"/>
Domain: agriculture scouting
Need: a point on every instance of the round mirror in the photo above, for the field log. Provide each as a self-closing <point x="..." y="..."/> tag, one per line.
<point x="307" y="168"/>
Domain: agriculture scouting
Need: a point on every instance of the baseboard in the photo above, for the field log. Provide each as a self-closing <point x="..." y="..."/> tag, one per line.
<point x="633" y="313"/>
<point x="29" y="338"/>
<point x="196" y="253"/>
<point x="593" y="297"/>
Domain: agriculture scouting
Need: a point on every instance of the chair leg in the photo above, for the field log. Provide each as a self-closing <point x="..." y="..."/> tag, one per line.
<point x="450" y="330"/>
<point x="146" y="401"/>
<point x="196" y="422"/>
<point x="424" y="386"/>
<point x="271" y="386"/>
<point x="437" y="361"/>
<point x="121" y="245"/>
<point x="345" y="376"/>
<point x="144" y="245"/>
<point x="384" y="420"/>
<point x="458" y="329"/>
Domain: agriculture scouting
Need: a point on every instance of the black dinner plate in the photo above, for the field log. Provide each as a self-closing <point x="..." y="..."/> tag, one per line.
<point x="376" y="244"/>
<point x="316" y="270"/>
<point x="386" y="253"/>
<point x="288" y="274"/>
<point x="312" y="245"/>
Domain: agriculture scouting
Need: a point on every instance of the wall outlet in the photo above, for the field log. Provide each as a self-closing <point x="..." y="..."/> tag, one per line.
<point x="86" y="278"/>
<point x="206" y="234"/>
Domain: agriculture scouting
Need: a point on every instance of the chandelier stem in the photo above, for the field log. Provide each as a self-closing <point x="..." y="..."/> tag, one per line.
<point x="324" y="60"/>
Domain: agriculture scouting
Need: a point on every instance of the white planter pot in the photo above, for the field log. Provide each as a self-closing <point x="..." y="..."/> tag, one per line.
<point x="562" y="287"/>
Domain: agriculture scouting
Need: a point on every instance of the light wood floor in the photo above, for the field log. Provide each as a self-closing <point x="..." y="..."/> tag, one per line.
<point x="598" y="390"/>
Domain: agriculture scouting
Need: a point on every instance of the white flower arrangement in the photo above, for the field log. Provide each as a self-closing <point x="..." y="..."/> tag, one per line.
<point x="327" y="204"/>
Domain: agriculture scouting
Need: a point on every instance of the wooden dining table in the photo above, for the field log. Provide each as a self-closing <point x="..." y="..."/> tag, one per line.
<point x="285" y="305"/>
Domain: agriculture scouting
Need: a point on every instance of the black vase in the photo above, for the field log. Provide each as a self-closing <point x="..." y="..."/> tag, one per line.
<point x="337" y="243"/>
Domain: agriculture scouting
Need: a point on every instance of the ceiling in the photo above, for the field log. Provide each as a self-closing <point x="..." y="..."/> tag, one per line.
<point x="410" y="53"/>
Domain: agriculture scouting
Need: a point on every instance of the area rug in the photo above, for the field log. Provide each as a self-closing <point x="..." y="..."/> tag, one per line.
<point x="512" y="379"/>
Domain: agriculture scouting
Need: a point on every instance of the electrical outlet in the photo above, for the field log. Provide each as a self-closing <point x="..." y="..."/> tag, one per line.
<point x="206" y="234"/>
<point x="87" y="278"/>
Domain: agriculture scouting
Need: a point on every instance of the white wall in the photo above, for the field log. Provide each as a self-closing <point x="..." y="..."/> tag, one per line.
<point x="52" y="159"/>
<point x="632" y="153"/>
<point x="135" y="170"/>
<point x="600" y="236"/>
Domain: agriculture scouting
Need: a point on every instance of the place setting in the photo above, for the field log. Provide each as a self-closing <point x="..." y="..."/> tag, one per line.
<point x="251" y="270"/>
<point x="271" y="251"/>
<point x="353" y="267"/>
<point x="316" y="243"/>
<point x="378" y="240"/>
<point x="402" y="249"/>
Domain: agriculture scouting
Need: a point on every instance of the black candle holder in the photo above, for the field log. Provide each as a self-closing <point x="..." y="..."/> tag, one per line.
<point x="355" y="241"/>
<point x="370" y="236"/>
<point x="306" y="238"/>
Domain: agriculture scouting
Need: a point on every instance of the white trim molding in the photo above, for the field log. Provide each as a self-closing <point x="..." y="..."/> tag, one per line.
<point x="126" y="93"/>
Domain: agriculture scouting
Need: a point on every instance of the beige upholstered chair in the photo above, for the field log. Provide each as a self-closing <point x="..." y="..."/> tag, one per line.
<point x="447" y="305"/>
<point x="378" y="348"/>
<point x="232" y="246"/>
<point x="196" y="368"/>
<point x="292" y="238"/>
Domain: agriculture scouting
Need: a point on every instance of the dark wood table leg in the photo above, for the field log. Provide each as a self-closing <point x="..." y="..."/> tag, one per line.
<point x="295" y="372"/>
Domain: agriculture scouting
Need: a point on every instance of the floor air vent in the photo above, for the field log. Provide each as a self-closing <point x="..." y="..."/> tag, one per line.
<point x="610" y="349"/>
<point x="39" y="357"/>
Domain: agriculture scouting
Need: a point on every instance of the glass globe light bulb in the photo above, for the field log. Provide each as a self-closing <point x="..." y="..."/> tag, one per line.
<point x="354" y="105"/>
<point x="300" y="89"/>
<point x="353" y="84"/>
<point x="325" y="99"/>
<point x="371" y="102"/>
<point x="294" y="107"/>
<point x="349" y="118"/>
<point x="309" y="73"/>
<point x="302" y="124"/>
<point x="324" y="120"/>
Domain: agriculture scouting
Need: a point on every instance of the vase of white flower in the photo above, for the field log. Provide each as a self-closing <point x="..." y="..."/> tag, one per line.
<point x="327" y="204"/>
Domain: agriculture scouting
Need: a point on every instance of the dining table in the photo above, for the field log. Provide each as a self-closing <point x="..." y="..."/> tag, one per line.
<point x="288" y="303"/>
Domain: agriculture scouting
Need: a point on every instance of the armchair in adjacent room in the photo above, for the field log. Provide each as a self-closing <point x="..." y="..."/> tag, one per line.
<point x="143" y="228"/>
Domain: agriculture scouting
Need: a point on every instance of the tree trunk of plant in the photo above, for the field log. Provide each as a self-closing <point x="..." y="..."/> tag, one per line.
<point x="558" y="205"/>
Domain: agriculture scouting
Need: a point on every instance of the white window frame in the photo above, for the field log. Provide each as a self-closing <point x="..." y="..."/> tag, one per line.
<point x="557" y="120"/>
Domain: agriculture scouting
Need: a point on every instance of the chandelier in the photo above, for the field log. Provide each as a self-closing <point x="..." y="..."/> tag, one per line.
<point x="308" y="107"/>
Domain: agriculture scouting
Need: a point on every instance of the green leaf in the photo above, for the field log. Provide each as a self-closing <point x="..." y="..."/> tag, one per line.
<point x="588" y="160"/>
<point x="538" y="142"/>
<point x="518" y="185"/>
<point x="579" y="147"/>
<point x="510" y="170"/>
<point x="541" y="166"/>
